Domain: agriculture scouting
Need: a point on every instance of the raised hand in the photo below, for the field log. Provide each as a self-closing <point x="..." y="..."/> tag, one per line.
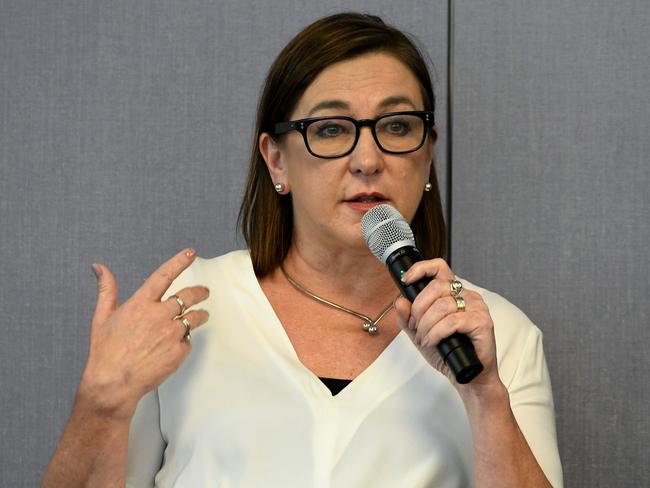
<point x="135" y="346"/>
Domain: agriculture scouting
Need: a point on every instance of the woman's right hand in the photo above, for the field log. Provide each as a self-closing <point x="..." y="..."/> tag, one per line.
<point x="135" y="346"/>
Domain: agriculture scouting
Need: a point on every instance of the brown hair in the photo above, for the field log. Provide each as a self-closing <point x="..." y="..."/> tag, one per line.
<point x="265" y="217"/>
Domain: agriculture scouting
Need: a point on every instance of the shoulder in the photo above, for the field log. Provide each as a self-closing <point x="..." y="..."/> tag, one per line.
<point x="232" y="262"/>
<point x="210" y="271"/>
<point x="514" y="332"/>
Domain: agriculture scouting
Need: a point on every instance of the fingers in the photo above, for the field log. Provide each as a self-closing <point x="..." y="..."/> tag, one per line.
<point x="444" y="328"/>
<point x="156" y="285"/>
<point x="433" y="268"/>
<point x="189" y="296"/>
<point x="106" y="293"/>
<point x="195" y="318"/>
<point x="433" y="300"/>
<point x="443" y="318"/>
<point x="403" y="309"/>
<point x="437" y="289"/>
<point x="440" y="310"/>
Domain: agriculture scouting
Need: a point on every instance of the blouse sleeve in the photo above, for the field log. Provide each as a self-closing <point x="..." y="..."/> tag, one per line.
<point x="531" y="400"/>
<point x="146" y="443"/>
<point x="523" y="370"/>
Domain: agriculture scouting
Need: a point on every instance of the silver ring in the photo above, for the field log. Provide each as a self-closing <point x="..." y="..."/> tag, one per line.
<point x="460" y="304"/>
<point x="456" y="288"/>
<point x="186" y="336"/>
<point x="181" y="303"/>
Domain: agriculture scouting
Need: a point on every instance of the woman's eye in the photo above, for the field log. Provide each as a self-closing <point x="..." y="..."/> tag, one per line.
<point x="396" y="127"/>
<point x="330" y="130"/>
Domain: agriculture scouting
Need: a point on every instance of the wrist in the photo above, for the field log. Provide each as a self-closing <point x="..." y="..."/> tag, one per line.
<point x="104" y="400"/>
<point x="482" y="398"/>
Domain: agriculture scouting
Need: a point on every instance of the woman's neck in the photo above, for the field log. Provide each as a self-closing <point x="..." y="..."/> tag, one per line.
<point x="352" y="273"/>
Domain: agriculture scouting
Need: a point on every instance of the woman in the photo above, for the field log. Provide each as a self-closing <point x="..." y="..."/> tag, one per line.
<point x="284" y="387"/>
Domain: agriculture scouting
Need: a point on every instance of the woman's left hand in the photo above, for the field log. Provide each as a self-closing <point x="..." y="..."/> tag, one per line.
<point x="434" y="315"/>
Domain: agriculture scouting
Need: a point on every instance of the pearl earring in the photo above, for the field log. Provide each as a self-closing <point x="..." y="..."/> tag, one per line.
<point x="279" y="187"/>
<point x="428" y="187"/>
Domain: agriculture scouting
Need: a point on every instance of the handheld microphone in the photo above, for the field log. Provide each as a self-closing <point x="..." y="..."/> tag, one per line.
<point x="390" y="239"/>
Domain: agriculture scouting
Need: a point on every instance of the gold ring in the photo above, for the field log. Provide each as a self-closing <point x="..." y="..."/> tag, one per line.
<point x="181" y="303"/>
<point x="460" y="304"/>
<point x="456" y="288"/>
<point x="186" y="336"/>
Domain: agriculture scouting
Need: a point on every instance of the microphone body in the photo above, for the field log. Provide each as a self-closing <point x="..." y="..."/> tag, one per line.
<point x="390" y="238"/>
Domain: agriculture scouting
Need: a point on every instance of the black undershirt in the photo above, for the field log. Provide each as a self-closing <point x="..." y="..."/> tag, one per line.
<point x="335" y="385"/>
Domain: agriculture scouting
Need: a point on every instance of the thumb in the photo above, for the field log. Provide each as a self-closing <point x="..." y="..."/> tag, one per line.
<point x="403" y="309"/>
<point x="106" y="293"/>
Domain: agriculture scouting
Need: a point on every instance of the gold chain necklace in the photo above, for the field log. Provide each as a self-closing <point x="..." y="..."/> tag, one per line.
<point x="369" y="325"/>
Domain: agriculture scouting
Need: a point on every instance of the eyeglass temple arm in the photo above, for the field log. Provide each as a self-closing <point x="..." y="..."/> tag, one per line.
<point x="282" y="127"/>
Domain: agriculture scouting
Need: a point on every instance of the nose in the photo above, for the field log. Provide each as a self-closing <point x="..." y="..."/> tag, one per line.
<point x="366" y="158"/>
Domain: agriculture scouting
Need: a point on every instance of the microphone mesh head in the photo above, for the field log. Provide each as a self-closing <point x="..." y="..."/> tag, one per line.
<point x="385" y="230"/>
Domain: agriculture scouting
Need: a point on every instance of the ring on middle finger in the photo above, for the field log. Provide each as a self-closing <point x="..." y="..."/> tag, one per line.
<point x="456" y="288"/>
<point x="181" y="303"/>
<point x="460" y="304"/>
<point x="186" y="336"/>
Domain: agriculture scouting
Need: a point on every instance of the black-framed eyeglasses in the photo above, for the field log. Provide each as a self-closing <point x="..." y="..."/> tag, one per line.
<point x="335" y="137"/>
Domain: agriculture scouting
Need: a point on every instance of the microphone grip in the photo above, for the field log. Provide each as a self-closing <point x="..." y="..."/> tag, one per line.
<point x="456" y="350"/>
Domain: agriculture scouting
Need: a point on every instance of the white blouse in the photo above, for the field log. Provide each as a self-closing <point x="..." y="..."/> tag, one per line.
<point x="243" y="411"/>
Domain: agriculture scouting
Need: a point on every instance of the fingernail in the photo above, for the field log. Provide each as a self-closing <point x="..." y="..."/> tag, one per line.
<point x="412" y="322"/>
<point x="406" y="276"/>
<point x="97" y="270"/>
<point x="207" y="290"/>
<point x="190" y="253"/>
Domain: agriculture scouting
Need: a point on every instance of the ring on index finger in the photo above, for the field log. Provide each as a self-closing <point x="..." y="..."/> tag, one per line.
<point x="181" y="303"/>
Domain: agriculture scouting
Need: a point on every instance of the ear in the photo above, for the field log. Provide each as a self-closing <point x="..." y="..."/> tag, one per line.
<point x="431" y="149"/>
<point x="433" y="138"/>
<point x="274" y="158"/>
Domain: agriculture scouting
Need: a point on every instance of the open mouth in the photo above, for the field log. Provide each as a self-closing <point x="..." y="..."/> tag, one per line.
<point x="368" y="199"/>
<point x="365" y="201"/>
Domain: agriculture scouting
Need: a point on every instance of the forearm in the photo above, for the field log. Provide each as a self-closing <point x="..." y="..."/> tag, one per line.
<point x="503" y="458"/>
<point x="92" y="450"/>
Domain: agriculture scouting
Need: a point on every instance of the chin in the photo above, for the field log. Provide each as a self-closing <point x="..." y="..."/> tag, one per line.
<point x="354" y="238"/>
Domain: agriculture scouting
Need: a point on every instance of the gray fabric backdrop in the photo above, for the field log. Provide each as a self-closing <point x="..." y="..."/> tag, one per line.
<point x="124" y="133"/>
<point x="551" y="206"/>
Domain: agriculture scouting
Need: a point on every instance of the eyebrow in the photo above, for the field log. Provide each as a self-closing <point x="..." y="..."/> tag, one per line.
<point x="328" y="104"/>
<point x="340" y="104"/>
<point x="391" y="101"/>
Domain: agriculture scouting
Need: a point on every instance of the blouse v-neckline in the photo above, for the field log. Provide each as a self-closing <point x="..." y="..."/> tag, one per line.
<point x="381" y="377"/>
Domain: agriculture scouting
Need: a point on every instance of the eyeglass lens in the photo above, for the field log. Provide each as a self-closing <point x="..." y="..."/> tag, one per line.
<point x="397" y="133"/>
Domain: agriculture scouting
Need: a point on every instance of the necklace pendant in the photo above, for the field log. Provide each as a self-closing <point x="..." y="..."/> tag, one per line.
<point x="370" y="327"/>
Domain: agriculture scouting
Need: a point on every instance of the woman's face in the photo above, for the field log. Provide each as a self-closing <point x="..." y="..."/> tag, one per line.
<point x="329" y="195"/>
